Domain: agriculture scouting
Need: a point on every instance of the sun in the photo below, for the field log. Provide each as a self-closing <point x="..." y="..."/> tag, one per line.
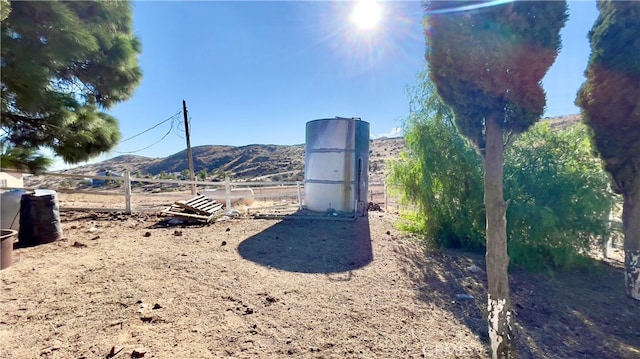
<point x="366" y="14"/>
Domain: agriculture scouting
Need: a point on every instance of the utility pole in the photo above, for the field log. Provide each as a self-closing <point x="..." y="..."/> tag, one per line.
<point x="192" y="175"/>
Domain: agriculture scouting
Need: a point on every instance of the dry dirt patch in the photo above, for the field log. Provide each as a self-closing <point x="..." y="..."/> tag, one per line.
<point x="221" y="290"/>
<point x="276" y="288"/>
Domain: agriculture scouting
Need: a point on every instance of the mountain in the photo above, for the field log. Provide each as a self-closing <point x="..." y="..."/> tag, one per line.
<point x="257" y="162"/>
<point x="243" y="162"/>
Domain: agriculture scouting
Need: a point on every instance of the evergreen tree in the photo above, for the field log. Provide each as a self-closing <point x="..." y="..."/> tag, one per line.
<point x="610" y="102"/>
<point x="62" y="64"/>
<point x="24" y="160"/>
<point x="5" y="9"/>
<point x="487" y="63"/>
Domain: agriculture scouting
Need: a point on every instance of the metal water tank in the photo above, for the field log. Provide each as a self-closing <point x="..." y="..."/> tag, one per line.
<point x="337" y="164"/>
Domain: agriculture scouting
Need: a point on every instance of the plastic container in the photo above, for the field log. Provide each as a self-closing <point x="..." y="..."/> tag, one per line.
<point x="39" y="218"/>
<point x="6" y="247"/>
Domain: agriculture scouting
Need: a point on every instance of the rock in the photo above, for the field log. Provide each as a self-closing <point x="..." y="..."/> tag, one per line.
<point x="289" y="341"/>
<point x="224" y="243"/>
<point x="464" y="296"/>
<point x="473" y="268"/>
<point x="228" y="229"/>
<point x="374" y="207"/>
<point x="271" y="299"/>
<point x="78" y="244"/>
<point x="157" y="306"/>
<point x="49" y="350"/>
<point x="114" y="351"/>
<point x="142" y="307"/>
<point x="147" y="234"/>
<point x="138" y="352"/>
<point x="94" y="238"/>
<point x="177" y="233"/>
<point x="232" y="213"/>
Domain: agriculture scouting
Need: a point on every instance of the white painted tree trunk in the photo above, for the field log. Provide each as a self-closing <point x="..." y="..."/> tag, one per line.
<point x="499" y="302"/>
<point x="631" y="228"/>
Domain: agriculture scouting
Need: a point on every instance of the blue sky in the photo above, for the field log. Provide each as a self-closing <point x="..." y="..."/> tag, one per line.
<point x="256" y="72"/>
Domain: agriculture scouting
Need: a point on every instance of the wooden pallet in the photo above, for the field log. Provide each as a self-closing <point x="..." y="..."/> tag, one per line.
<point x="200" y="208"/>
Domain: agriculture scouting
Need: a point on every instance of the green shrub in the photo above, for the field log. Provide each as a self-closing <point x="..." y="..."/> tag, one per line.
<point x="559" y="198"/>
<point x="558" y="193"/>
<point x="441" y="175"/>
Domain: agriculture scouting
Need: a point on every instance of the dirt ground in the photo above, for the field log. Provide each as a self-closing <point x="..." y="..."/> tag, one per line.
<point x="249" y="288"/>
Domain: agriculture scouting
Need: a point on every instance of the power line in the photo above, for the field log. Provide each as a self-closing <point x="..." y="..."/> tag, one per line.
<point x="177" y="130"/>
<point x="151" y="145"/>
<point x="154" y="126"/>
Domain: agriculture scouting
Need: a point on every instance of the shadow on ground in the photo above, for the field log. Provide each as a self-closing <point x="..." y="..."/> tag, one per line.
<point x="311" y="245"/>
<point x="571" y="314"/>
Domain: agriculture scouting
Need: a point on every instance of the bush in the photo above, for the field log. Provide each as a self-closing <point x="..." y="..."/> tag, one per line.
<point x="559" y="202"/>
<point x="442" y="176"/>
<point x="559" y="197"/>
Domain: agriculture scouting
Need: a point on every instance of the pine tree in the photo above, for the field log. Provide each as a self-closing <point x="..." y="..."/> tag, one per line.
<point x="487" y="63"/>
<point x="610" y="102"/>
<point x="63" y="63"/>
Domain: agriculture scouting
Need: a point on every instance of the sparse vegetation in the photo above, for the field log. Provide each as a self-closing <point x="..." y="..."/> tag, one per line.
<point x="203" y="174"/>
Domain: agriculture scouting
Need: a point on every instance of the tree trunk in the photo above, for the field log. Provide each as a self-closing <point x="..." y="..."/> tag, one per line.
<point x="499" y="303"/>
<point x="631" y="229"/>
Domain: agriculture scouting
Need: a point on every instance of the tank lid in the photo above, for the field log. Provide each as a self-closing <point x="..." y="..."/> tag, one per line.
<point x="338" y="118"/>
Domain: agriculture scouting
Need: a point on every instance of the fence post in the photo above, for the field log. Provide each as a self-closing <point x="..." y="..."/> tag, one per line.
<point x="127" y="192"/>
<point x="385" y="197"/>
<point x="227" y="189"/>
<point x="299" y="195"/>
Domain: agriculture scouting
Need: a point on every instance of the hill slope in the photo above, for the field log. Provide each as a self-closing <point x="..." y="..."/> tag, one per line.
<point x="277" y="162"/>
<point x="261" y="162"/>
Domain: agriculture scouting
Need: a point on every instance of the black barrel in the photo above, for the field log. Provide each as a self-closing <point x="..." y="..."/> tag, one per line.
<point x="39" y="218"/>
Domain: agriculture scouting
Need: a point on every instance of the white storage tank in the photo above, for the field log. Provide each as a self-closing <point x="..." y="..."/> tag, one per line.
<point x="337" y="165"/>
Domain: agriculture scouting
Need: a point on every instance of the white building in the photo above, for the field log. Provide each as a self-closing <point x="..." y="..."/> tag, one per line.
<point x="11" y="178"/>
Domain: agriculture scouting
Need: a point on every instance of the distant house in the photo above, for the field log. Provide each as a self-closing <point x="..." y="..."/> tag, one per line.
<point x="11" y="178"/>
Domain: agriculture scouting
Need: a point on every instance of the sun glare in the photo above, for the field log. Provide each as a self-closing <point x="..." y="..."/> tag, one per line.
<point x="366" y="14"/>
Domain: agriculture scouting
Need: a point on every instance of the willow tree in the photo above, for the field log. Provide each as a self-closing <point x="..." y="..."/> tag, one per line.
<point x="487" y="63"/>
<point x="610" y="100"/>
<point x="63" y="64"/>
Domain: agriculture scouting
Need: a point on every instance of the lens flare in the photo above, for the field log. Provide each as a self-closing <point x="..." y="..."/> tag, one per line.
<point x="366" y="14"/>
<point x="469" y="7"/>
